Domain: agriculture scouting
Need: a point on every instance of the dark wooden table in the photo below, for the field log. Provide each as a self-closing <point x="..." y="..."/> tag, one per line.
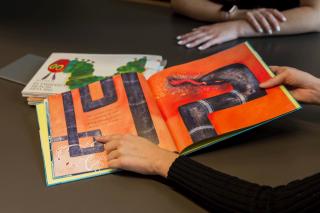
<point x="273" y="154"/>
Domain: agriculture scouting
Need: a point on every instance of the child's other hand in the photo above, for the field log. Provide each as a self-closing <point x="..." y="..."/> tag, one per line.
<point x="302" y="85"/>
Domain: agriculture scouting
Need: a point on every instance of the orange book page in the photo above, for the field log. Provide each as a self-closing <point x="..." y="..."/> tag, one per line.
<point x="118" y="105"/>
<point x="216" y="95"/>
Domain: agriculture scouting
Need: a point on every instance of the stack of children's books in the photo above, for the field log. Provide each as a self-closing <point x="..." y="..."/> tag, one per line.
<point x="183" y="108"/>
<point x="66" y="71"/>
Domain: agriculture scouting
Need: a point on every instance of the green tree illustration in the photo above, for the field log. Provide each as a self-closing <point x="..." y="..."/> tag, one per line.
<point x="137" y="65"/>
<point x="81" y="73"/>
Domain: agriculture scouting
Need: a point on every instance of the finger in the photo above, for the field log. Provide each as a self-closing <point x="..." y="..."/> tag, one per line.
<point x="107" y="138"/>
<point x="199" y="41"/>
<point x="113" y="155"/>
<point x="102" y="139"/>
<point x="184" y="36"/>
<point x="280" y="16"/>
<point x="208" y="44"/>
<point x="119" y="163"/>
<point x="115" y="163"/>
<point x="276" y="81"/>
<point x="301" y="97"/>
<point x="263" y="22"/>
<point x="191" y="38"/>
<point x="200" y="28"/>
<point x="179" y="37"/>
<point x="112" y="145"/>
<point x="194" y="31"/>
<point x="277" y="69"/>
<point x="253" y="21"/>
<point x="271" y="20"/>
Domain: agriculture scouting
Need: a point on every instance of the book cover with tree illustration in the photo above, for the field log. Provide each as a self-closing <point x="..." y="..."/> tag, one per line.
<point x="182" y="108"/>
<point x="67" y="71"/>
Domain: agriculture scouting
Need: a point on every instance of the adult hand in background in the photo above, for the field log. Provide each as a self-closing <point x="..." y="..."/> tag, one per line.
<point x="303" y="86"/>
<point x="255" y="22"/>
<point x="137" y="154"/>
<point x="265" y="20"/>
<point x="207" y="36"/>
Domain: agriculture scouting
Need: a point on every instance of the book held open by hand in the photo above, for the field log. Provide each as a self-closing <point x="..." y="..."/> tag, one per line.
<point x="182" y="108"/>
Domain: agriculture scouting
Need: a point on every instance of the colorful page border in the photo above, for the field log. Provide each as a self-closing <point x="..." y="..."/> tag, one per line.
<point x="48" y="170"/>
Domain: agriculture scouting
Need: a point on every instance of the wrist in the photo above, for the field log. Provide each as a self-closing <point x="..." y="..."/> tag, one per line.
<point x="164" y="162"/>
<point x="317" y="91"/>
<point x="244" y="29"/>
<point x="232" y="12"/>
<point x="239" y="15"/>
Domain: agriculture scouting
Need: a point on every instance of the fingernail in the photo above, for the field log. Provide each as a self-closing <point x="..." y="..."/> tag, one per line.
<point x="181" y="42"/>
<point x="284" y="19"/>
<point x="179" y="37"/>
<point x="278" y="28"/>
<point x="189" y="45"/>
<point x="270" y="31"/>
<point x="260" y="30"/>
<point x="201" y="48"/>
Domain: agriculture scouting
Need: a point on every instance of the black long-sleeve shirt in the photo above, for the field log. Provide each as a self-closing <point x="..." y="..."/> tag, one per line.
<point x="220" y="192"/>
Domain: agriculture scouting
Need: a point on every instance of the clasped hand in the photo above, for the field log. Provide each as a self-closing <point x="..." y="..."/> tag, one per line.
<point x="262" y="21"/>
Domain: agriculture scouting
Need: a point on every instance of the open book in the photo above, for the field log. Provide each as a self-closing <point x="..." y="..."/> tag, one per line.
<point x="182" y="108"/>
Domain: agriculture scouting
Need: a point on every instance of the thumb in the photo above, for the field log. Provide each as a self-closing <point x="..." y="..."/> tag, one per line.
<point x="276" y="81"/>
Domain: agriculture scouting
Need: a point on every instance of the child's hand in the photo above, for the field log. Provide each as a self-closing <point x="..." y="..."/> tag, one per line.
<point x="137" y="154"/>
<point x="302" y="85"/>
